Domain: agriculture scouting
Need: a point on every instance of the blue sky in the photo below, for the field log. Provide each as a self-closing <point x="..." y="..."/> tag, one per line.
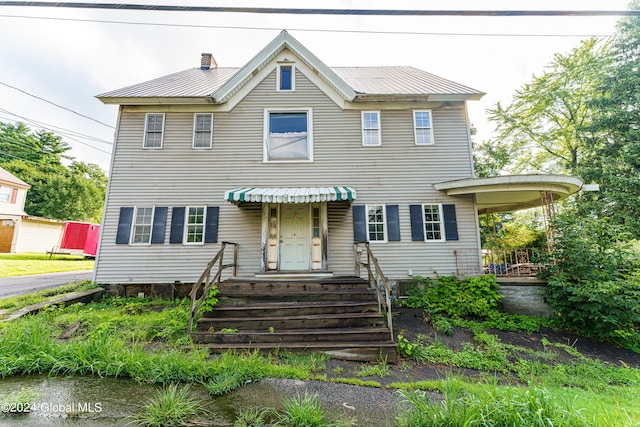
<point x="69" y="62"/>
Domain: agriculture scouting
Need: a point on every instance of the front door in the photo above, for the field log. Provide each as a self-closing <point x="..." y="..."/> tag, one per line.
<point x="295" y="237"/>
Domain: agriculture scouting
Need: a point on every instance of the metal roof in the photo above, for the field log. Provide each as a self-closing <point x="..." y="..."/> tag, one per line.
<point x="397" y="80"/>
<point x="193" y="82"/>
<point x="380" y="81"/>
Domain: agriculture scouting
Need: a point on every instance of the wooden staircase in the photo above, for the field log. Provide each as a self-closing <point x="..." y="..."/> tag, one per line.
<point x="337" y="316"/>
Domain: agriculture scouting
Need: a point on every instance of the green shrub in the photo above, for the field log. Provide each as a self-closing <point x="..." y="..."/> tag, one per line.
<point x="476" y="296"/>
<point x="594" y="285"/>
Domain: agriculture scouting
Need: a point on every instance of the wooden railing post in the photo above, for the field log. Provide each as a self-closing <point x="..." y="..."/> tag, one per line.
<point x="206" y="282"/>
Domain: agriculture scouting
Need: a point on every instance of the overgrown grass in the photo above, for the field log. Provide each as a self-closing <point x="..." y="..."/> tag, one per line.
<point x="9" y="305"/>
<point x="171" y="406"/>
<point x="305" y="411"/>
<point x="468" y="402"/>
<point x="37" y="263"/>
<point x="494" y="406"/>
<point x="125" y="337"/>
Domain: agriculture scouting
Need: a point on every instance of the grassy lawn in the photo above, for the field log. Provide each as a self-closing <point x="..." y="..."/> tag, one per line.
<point x="146" y="340"/>
<point x="37" y="263"/>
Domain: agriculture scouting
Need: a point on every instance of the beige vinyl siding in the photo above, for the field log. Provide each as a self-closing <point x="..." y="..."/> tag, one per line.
<point x="397" y="172"/>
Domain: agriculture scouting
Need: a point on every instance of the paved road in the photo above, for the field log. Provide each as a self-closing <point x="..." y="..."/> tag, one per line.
<point x="19" y="285"/>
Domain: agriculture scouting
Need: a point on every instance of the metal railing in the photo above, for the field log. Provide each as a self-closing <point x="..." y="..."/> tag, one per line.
<point x="503" y="262"/>
<point x="375" y="277"/>
<point x="206" y="281"/>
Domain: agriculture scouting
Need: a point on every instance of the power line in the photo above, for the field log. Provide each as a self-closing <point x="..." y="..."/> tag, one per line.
<point x="81" y="142"/>
<point x="300" y="11"/>
<point x="30" y="161"/>
<point x="228" y="27"/>
<point x="53" y="103"/>
<point x="54" y="128"/>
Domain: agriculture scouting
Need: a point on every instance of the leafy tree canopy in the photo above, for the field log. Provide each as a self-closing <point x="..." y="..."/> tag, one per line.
<point x="75" y="192"/>
<point x="546" y="128"/>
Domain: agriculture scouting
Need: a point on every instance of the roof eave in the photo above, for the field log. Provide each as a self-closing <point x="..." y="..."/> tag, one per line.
<point x="367" y="97"/>
<point x="156" y="100"/>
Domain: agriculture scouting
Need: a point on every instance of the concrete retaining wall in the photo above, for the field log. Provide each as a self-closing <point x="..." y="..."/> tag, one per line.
<point x="523" y="295"/>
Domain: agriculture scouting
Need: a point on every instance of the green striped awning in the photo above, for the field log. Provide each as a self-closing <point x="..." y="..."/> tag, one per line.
<point x="290" y="195"/>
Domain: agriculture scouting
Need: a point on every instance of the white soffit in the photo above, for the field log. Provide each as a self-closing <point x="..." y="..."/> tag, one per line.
<point x="511" y="192"/>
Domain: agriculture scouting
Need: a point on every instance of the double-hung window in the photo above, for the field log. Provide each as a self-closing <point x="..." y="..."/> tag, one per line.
<point x="371" y="128"/>
<point x="433" y="222"/>
<point x="153" y="130"/>
<point x="423" y="127"/>
<point x="285" y="80"/>
<point x="142" y="225"/>
<point x="5" y="194"/>
<point x="202" y="130"/>
<point x="194" y="225"/>
<point x="376" y="223"/>
<point x="288" y="135"/>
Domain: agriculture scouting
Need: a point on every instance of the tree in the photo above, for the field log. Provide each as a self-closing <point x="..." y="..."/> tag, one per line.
<point x="547" y="126"/>
<point x="43" y="147"/>
<point x="75" y="192"/>
<point x="614" y="162"/>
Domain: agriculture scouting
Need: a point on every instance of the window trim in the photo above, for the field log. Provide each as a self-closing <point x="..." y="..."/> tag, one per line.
<point x="384" y="222"/>
<point x="146" y="125"/>
<point x="265" y="138"/>
<point x="9" y="195"/>
<point x="279" y="77"/>
<point x="443" y="237"/>
<point x="186" y="225"/>
<point x="378" y="129"/>
<point x="415" y="127"/>
<point x="195" y="131"/>
<point x="134" y="224"/>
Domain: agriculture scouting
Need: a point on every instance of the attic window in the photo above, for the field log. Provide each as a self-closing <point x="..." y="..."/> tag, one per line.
<point x="286" y="78"/>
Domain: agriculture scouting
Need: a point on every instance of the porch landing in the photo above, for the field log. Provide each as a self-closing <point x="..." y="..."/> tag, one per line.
<point x="337" y="316"/>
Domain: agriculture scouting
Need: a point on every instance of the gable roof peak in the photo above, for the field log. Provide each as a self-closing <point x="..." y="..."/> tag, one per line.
<point x="268" y="53"/>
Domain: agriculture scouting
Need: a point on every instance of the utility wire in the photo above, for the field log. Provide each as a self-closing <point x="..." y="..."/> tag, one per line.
<point x="31" y="161"/>
<point x="227" y="27"/>
<point x="54" y="128"/>
<point x="57" y="105"/>
<point x="300" y="11"/>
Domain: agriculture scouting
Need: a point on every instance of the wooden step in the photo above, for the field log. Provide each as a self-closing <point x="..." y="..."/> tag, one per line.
<point x="244" y="286"/>
<point x="358" y="351"/>
<point x="245" y="297"/>
<point x="293" y="335"/>
<point x="309" y="321"/>
<point x="291" y="308"/>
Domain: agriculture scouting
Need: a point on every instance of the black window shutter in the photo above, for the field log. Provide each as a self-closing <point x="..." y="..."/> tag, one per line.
<point x="359" y="224"/>
<point x="450" y="222"/>
<point x="417" y="222"/>
<point x="393" y="223"/>
<point x="124" y="226"/>
<point x="211" y="228"/>
<point x="159" y="224"/>
<point x="177" y="225"/>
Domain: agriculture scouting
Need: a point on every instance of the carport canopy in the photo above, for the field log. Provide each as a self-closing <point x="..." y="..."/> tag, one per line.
<point x="510" y="193"/>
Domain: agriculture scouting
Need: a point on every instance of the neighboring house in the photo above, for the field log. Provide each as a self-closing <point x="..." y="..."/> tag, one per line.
<point x="20" y="232"/>
<point x="13" y="194"/>
<point x="294" y="161"/>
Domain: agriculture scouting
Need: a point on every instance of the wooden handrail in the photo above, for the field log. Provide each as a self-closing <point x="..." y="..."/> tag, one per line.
<point x="207" y="283"/>
<point x="375" y="276"/>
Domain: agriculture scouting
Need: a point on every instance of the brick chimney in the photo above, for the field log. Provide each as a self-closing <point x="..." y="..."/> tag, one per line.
<point x="207" y="62"/>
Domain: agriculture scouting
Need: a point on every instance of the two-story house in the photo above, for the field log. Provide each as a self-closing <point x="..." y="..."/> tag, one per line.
<point x="292" y="160"/>
<point x="13" y="193"/>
